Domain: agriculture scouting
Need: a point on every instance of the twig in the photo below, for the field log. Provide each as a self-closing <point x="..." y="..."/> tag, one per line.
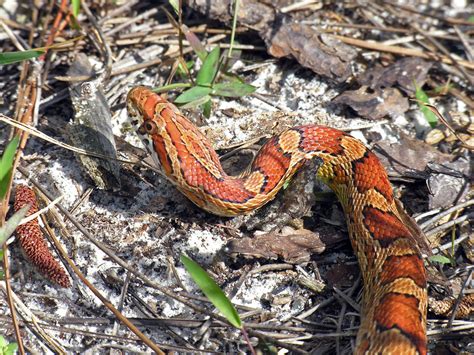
<point x="132" y="20"/>
<point x="270" y="339"/>
<point x="11" y="305"/>
<point x="41" y="211"/>
<point x="465" y="41"/>
<point x="102" y="335"/>
<point x="107" y="53"/>
<point x="119" y="10"/>
<point x="458" y="300"/>
<point x="436" y="33"/>
<point x="440" y="117"/>
<point x="447" y="225"/>
<point x="33" y="131"/>
<point x="457" y="93"/>
<point x="443" y="50"/>
<point x="450" y="20"/>
<point x="157" y="61"/>
<point x="33" y="320"/>
<point x="379" y="47"/>
<point x="104" y="300"/>
<point x="445" y="213"/>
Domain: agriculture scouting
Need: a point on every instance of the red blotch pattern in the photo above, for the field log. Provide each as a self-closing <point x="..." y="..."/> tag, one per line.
<point x="401" y="311"/>
<point x="320" y="139"/>
<point x="370" y="174"/>
<point x="196" y="175"/>
<point x="160" y="149"/>
<point x="272" y="163"/>
<point x="384" y="226"/>
<point x="406" y="266"/>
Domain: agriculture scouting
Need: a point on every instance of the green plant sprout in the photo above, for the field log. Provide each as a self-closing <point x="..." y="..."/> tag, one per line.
<point x="201" y="90"/>
<point x="422" y="98"/>
<point x="217" y="297"/>
<point x="7" y="348"/>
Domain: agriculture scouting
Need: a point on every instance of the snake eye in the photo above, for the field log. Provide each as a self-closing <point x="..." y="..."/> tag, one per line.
<point x="147" y="128"/>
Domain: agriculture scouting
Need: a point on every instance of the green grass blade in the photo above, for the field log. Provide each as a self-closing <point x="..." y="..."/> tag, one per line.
<point x="440" y="259"/>
<point x="4" y="183"/>
<point x="206" y="108"/>
<point x="9" y="227"/>
<point x="76" y="7"/>
<point x="6" y="164"/>
<point x="234" y="26"/>
<point x="212" y="291"/>
<point x="195" y="43"/>
<point x="6" y="161"/>
<point x="193" y="94"/>
<point x="170" y="87"/>
<point x="175" y="5"/>
<point x="13" y="57"/>
<point x="196" y="103"/>
<point x="422" y="98"/>
<point x="11" y="349"/>
<point x="209" y="68"/>
<point x="233" y="89"/>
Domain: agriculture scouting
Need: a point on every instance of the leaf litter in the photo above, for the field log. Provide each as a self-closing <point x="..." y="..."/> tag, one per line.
<point x="149" y="224"/>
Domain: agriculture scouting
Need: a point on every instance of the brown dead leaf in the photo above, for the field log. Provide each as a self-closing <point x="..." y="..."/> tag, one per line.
<point x="292" y="246"/>
<point x="341" y="275"/>
<point x="448" y="183"/>
<point x="404" y="73"/>
<point x="323" y="54"/>
<point x="408" y="155"/>
<point x="376" y="104"/>
<point x="446" y="177"/>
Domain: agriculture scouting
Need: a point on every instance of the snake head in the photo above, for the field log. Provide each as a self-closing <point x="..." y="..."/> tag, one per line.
<point x="144" y="106"/>
<point x="136" y="100"/>
<point x="141" y="105"/>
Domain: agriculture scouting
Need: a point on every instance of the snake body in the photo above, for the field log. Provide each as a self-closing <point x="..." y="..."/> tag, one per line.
<point x="394" y="303"/>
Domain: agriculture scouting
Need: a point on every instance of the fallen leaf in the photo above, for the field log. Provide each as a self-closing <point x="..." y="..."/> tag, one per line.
<point x="404" y="73"/>
<point x="293" y="247"/>
<point x="374" y="105"/>
<point x="321" y="53"/>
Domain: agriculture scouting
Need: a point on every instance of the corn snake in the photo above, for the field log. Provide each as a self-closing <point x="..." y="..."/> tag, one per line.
<point x="394" y="303"/>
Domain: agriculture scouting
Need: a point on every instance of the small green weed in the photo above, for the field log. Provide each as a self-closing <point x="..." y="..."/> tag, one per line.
<point x="7" y="348"/>
<point x="422" y="98"/>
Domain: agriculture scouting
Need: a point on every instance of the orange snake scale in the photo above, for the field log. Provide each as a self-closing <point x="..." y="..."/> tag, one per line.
<point x="394" y="303"/>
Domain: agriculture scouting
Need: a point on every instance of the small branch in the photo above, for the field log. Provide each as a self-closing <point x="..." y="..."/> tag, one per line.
<point x="379" y="47"/>
<point x="11" y="305"/>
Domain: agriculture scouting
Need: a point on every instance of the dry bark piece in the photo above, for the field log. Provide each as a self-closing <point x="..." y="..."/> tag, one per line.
<point x="91" y="128"/>
<point x="293" y="247"/>
<point x="437" y="135"/>
<point x="448" y="183"/>
<point x="376" y="104"/>
<point x="408" y="156"/>
<point x="446" y="178"/>
<point x="341" y="275"/>
<point x="321" y="53"/>
<point x="252" y="13"/>
<point x="468" y="244"/>
<point x="32" y="241"/>
<point x="404" y="73"/>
